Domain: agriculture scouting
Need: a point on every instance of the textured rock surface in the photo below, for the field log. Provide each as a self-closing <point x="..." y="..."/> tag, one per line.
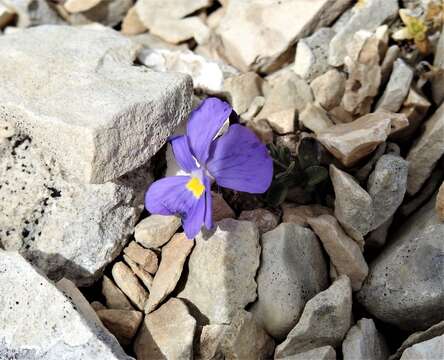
<point x="247" y="46"/>
<point x="115" y="298"/>
<point x="300" y="214"/>
<point x="329" y="88"/>
<point x="66" y="228"/>
<point x="33" y="12"/>
<point x="321" y="353"/>
<point x="145" y="258"/>
<point x="221" y="210"/>
<point x="106" y="12"/>
<point x="343" y="251"/>
<point x="127" y="281"/>
<point x="242" y="90"/>
<point x="437" y="87"/>
<point x="430" y="349"/>
<point x="166" y="333"/>
<point x="386" y="186"/>
<point x="123" y="324"/>
<point x="439" y="206"/>
<point x="156" y="230"/>
<point x="292" y="271"/>
<point x="363" y="341"/>
<point x="64" y="327"/>
<point x="404" y="286"/>
<point x="264" y="219"/>
<point x="325" y="321"/>
<point x="217" y="288"/>
<point x="174" y="255"/>
<point x="109" y="120"/>
<point x="428" y="149"/>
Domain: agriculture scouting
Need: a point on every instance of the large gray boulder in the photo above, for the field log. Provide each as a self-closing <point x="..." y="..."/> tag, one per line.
<point x="41" y="321"/>
<point x="77" y="93"/>
<point x="405" y="286"/>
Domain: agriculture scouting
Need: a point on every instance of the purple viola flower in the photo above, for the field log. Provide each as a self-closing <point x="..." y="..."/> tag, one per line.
<point x="236" y="160"/>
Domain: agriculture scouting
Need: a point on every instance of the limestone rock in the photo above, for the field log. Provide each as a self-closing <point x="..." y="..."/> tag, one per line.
<point x="264" y="219"/>
<point x="146" y="258"/>
<point x="430" y="349"/>
<point x="130" y="286"/>
<point x="387" y="64"/>
<point x="248" y="46"/>
<point x="439" y="206"/>
<point x="351" y="142"/>
<point x="363" y="341"/>
<point x="221" y="210"/>
<point x="315" y="118"/>
<point x="33" y="12"/>
<point x="111" y="114"/>
<point x="325" y="321"/>
<point x="426" y="152"/>
<point x="283" y="122"/>
<point x="115" y="298"/>
<point x="397" y="88"/>
<point x="329" y="88"/>
<point x="437" y="87"/>
<point x="142" y="274"/>
<point x="242" y="90"/>
<point x="166" y="333"/>
<point x="321" y="353"/>
<point x="353" y="205"/>
<point x="344" y="253"/>
<point x="367" y="15"/>
<point x="386" y="186"/>
<point x="6" y="16"/>
<point x="220" y="287"/>
<point x="286" y="279"/>
<point x="66" y="228"/>
<point x="156" y="230"/>
<point x="42" y="321"/>
<point x="174" y="255"/>
<point x="207" y="75"/>
<point x="74" y="6"/>
<point x="176" y="31"/>
<point x="404" y="286"/>
<point x="123" y="324"/>
<point x="105" y="13"/>
<point x="131" y="24"/>
<point x="300" y="214"/>
<point x="255" y="107"/>
<point x="311" y="58"/>
<point x="97" y="305"/>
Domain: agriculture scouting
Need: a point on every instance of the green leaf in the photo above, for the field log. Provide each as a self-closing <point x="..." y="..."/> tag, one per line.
<point x="308" y="152"/>
<point x="276" y="194"/>
<point x="315" y="175"/>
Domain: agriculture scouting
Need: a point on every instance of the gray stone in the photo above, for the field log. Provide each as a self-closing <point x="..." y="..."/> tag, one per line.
<point x="66" y="228"/>
<point x="426" y="152"/>
<point x="353" y="205"/>
<point x="321" y="353"/>
<point x="325" y="321"/>
<point x="404" y="286"/>
<point x="386" y="186"/>
<point x="115" y="298"/>
<point x="98" y="115"/>
<point x="315" y="118"/>
<point x="166" y="333"/>
<point x="145" y="258"/>
<point x="344" y="252"/>
<point x="33" y="12"/>
<point x="363" y="341"/>
<point x="144" y="276"/>
<point x="246" y="44"/>
<point x="41" y="321"/>
<point x="437" y="85"/>
<point x="397" y="88"/>
<point x="286" y="278"/>
<point x="387" y="64"/>
<point x="123" y="324"/>
<point x="106" y="12"/>
<point x="156" y="230"/>
<point x="367" y="15"/>
<point x="329" y="88"/>
<point x="430" y="349"/>
<point x="264" y="219"/>
<point x="311" y="58"/>
<point x="222" y="270"/>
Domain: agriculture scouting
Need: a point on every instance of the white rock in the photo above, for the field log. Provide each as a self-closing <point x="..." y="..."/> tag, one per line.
<point x="105" y="13"/>
<point x="366" y="16"/>
<point x="207" y="75"/>
<point x="127" y="281"/>
<point x="123" y="324"/>
<point x="242" y="90"/>
<point x="325" y="321"/>
<point x="33" y="12"/>
<point x="397" y="88"/>
<point x="426" y="152"/>
<point x="248" y="46"/>
<point x="222" y="269"/>
<point x="131" y="24"/>
<point x="42" y="321"/>
<point x="363" y="341"/>
<point x="156" y="230"/>
<point x="179" y="30"/>
<point x="145" y="258"/>
<point x="321" y="353"/>
<point x="311" y="58"/>
<point x="430" y="349"/>
<point x="74" y="6"/>
<point x="329" y="88"/>
<point x="111" y="119"/>
<point x="286" y="280"/>
<point x="315" y="118"/>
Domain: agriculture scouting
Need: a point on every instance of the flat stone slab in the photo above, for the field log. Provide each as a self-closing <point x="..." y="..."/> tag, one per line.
<point x="77" y="93"/>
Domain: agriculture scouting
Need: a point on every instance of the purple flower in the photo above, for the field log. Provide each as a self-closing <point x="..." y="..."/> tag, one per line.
<point x="236" y="160"/>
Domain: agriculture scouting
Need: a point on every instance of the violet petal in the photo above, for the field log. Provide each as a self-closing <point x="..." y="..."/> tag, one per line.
<point x="182" y="153"/>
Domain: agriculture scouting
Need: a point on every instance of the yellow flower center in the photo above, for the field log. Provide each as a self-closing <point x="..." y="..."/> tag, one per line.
<point x="196" y="187"/>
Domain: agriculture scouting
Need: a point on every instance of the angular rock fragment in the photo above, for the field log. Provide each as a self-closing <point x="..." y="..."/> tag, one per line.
<point x="343" y="251"/>
<point x="156" y="230"/>
<point x="130" y="286"/>
<point x="315" y="118"/>
<point x="426" y="152"/>
<point x="404" y="286"/>
<point x="115" y="298"/>
<point x="221" y="210"/>
<point x="387" y="64"/>
<point x="105" y="13"/>
<point x="120" y="111"/>
<point x="329" y="88"/>
<point x="131" y="24"/>
<point x="147" y="259"/>
<point x="166" y="333"/>
<point x="234" y="251"/>
<point x="74" y="6"/>
<point x="33" y="12"/>
<point x="59" y="321"/>
<point x="174" y="255"/>
<point x="321" y="353"/>
<point x="325" y="321"/>
<point x="300" y="214"/>
<point x="143" y="275"/>
<point x="242" y="90"/>
<point x="176" y="31"/>
<point x="351" y="142"/>
<point x="264" y="219"/>
<point x="363" y="341"/>
<point x="437" y="85"/>
<point x="247" y="46"/>
<point x="430" y="349"/>
<point x="286" y="279"/>
<point x="397" y="88"/>
<point x="123" y="324"/>
<point x="353" y="205"/>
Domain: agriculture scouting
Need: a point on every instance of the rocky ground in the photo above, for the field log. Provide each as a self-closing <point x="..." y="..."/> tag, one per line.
<point x="343" y="257"/>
